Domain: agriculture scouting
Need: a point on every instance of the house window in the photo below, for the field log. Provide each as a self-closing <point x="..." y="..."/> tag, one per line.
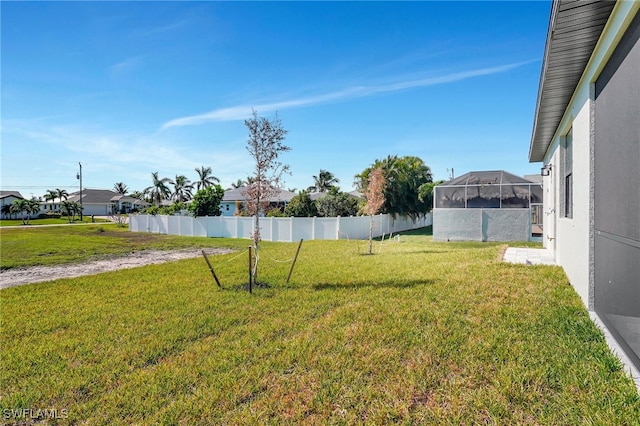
<point x="227" y="207"/>
<point x="568" y="174"/>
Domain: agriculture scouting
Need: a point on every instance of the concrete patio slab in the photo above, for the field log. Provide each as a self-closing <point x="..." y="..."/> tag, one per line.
<point x="528" y="256"/>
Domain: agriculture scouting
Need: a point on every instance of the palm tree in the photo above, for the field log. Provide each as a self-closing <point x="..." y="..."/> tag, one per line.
<point x="19" y="206"/>
<point x="26" y="207"/>
<point x="205" y="178"/>
<point x="238" y="184"/>
<point x="137" y="194"/>
<point x="62" y="194"/>
<point x="120" y="188"/>
<point x="66" y="209"/>
<point x="6" y="210"/>
<point x="323" y="182"/>
<point x="51" y="195"/>
<point x="70" y="209"/>
<point x="33" y="207"/>
<point x="159" y="190"/>
<point x="182" y="188"/>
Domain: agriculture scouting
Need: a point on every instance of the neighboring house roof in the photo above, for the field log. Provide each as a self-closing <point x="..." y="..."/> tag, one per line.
<point x="486" y="178"/>
<point x="316" y="195"/>
<point x="128" y="199"/>
<point x="16" y="194"/>
<point x="237" y="194"/>
<point x="534" y="178"/>
<point x="574" y="29"/>
<point x="356" y="194"/>
<point x="93" y="196"/>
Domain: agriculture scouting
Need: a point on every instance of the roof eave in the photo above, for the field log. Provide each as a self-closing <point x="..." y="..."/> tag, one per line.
<point x="578" y="30"/>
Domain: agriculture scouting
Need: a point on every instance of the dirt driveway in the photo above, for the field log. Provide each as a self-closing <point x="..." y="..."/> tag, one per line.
<point x="21" y="276"/>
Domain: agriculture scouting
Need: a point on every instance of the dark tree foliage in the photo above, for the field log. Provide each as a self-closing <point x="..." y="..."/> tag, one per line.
<point x="425" y="192"/>
<point x="337" y="203"/>
<point x="301" y="206"/>
<point x="323" y="182"/>
<point x="206" y="202"/>
<point x="404" y="176"/>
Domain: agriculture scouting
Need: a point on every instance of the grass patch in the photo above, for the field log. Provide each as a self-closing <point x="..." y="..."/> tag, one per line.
<point x="424" y="332"/>
<point x="49" y="221"/>
<point x="24" y="247"/>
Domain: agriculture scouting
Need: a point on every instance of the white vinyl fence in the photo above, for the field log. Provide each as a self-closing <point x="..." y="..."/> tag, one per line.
<point x="285" y="229"/>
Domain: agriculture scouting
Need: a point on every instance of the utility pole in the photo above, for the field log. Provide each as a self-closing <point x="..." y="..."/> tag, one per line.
<point x="79" y="176"/>
<point x="451" y="175"/>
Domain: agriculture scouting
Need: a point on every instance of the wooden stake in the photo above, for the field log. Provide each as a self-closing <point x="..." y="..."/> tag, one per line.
<point x="294" y="261"/>
<point x="211" y="269"/>
<point x="250" y="266"/>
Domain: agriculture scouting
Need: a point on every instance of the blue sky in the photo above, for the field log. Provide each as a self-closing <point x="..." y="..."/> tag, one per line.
<point x="131" y="88"/>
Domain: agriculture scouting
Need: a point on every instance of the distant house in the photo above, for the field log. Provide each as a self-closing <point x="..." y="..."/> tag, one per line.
<point x="95" y="202"/>
<point x="586" y="133"/>
<point x="487" y="206"/>
<point x="234" y="198"/>
<point x="126" y="204"/>
<point x="6" y="199"/>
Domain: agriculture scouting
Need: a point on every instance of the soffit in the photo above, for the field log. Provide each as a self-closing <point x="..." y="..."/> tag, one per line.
<point x="574" y="29"/>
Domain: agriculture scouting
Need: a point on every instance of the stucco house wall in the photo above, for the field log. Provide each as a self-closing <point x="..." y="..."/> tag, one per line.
<point x="569" y="238"/>
<point x="8" y="197"/>
<point x="592" y="105"/>
<point x="569" y="241"/>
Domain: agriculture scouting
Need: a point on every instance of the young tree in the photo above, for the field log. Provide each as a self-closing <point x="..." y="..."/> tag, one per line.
<point x="375" y="199"/>
<point x="265" y="144"/>
<point x="404" y="176"/>
<point x="206" y="202"/>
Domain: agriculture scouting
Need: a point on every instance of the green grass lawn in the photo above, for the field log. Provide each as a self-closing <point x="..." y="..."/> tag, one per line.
<point x="421" y="333"/>
<point x="24" y="247"/>
<point x="49" y="221"/>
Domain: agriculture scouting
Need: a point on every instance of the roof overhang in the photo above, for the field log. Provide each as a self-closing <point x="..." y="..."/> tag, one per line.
<point x="575" y="27"/>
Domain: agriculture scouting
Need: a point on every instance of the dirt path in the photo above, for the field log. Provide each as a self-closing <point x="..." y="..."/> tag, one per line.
<point x="17" y="276"/>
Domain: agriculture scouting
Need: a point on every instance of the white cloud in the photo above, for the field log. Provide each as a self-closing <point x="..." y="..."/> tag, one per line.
<point x="126" y="66"/>
<point x="241" y="112"/>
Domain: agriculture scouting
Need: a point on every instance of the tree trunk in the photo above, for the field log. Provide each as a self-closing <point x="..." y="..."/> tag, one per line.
<point x="371" y="234"/>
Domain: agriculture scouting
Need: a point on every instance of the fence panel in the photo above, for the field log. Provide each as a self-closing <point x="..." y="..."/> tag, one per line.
<point x="186" y="226"/>
<point x="276" y="229"/>
<point x="173" y="225"/>
<point x="302" y="228"/>
<point x="354" y="228"/>
<point x="245" y="227"/>
<point x="325" y="228"/>
<point x="282" y="229"/>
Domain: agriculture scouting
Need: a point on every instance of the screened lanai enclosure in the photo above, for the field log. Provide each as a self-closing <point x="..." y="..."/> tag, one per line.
<point x="488" y="206"/>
